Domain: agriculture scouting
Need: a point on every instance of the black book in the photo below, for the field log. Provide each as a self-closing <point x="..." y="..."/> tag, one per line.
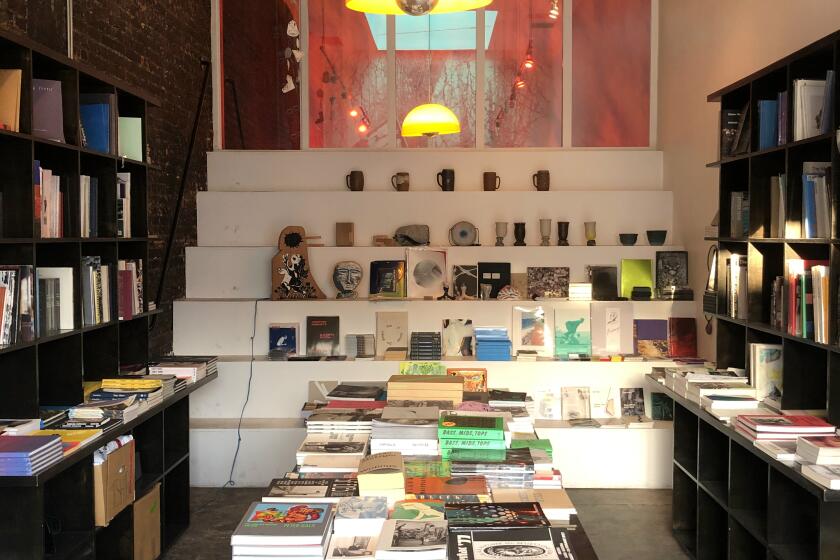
<point x="322" y="336"/>
<point x="729" y="121"/>
<point x="497" y="275"/>
<point x="508" y="396"/>
<point x="604" y="282"/>
<point x="507" y="515"/>
<point x="317" y="489"/>
<point x="355" y="393"/>
<point x="525" y="544"/>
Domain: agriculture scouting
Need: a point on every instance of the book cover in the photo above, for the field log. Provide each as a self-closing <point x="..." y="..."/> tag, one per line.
<point x="418" y="510"/>
<point x="604" y="280"/>
<point x="465" y="281"/>
<point x="322" y="336"/>
<point x="671" y="269"/>
<point x="10" y="93"/>
<point x="47" y="110"/>
<point x="662" y="405"/>
<point x="458" y="337"/>
<point x="552" y="543"/>
<point x="473" y="485"/>
<point x="96" y="126"/>
<point x="351" y="547"/>
<point x="548" y="282"/>
<point x="633" y="402"/>
<point x="391" y="331"/>
<point x="650" y="338"/>
<point x="283" y="339"/>
<point x="475" y="427"/>
<point x="296" y="490"/>
<point x="406" y="536"/>
<point x="635" y="273"/>
<point x="387" y="279"/>
<point x="334" y="444"/>
<point x="425" y="273"/>
<point x="575" y="403"/>
<point x="766" y="365"/>
<point x="495" y="275"/>
<point x="130" y="138"/>
<point x="283" y="524"/>
<point x="475" y="379"/>
<point x="775" y="423"/>
<point x="422" y="368"/>
<point x="572" y="330"/>
<point x="612" y="328"/>
<point x="354" y="392"/>
<point x="682" y="337"/>
<point x="361" y="507"/>
<point x="500" y="515"/>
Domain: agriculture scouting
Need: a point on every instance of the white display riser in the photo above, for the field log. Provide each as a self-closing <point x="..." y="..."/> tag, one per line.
<point x="612" y="169"/>
<point x="224" y="327"/>
<point x="587" y="457"/>
<point x="279" y="389"/>
<point x="245" y="272"/>
<point x="242" y="219"/>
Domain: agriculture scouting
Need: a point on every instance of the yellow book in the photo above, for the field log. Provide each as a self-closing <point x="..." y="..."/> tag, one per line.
<point x="71" y="440"/>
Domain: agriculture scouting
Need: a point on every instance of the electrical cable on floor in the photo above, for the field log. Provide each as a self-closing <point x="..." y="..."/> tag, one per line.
<point x="231" y="482"/>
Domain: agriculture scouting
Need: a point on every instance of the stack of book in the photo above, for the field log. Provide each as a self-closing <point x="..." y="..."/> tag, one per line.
<point x="343" y="449"/>
<point x="272" y="530"/>
<point x="348" y="420"/>
<point x="407" y="430"/>
<point x="824" y="475"/>
<point x="288" y="489"/>
<point x="492" y="344"/>
<point x="514" y="470"/>
<point x="820" y="450"/>
<point x="477" y="433"/>
<point x="71" y="439"/>
<point x="17" y="307"/>
<point x="125" y="409"/>
<point x="425" y="346"/>
<point x="360" y="515"/>
<point x="19" y="427"/>
<point x="525" y="543"/>
<point x="130" y="288"/>
<point x="147" y="392"/>
<point x="402" y="539"/>
<point x="190" y="368"/>
<point x="96" y="291"/>
<point x="448" y="489"/>
<point x="781" y="427"/>
<point x="382" y="474"/>
<point x="426" y="388"/>
<point x="28" y="455"/>
<point x="696" y="391"/>
<point x="728" y="407"/>
<point x="102" y="424"/>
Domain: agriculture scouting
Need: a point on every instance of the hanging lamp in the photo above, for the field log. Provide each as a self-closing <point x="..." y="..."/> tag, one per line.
<point x="414" y="7"/>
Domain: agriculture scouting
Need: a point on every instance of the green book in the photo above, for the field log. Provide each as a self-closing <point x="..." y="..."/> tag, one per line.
<point x="471" y="427"/>
<point x="472" y="443"/>
<point x="543" y="444"/>
<point x="131" y="138"/>
<point x="635" y="272"/>
<point x="483" y="455"/>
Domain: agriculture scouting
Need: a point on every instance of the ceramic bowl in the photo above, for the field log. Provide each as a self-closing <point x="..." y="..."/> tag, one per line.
<point x="628" y="238"/>
<point x="657" y="236"/>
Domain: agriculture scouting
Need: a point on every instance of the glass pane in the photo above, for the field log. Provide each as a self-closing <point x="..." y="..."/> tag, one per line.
<point x="436" y="63"/>
<point x="611" y="73"/>
<point x="348" y="105"/>
<point x="261" y="74"/>
<point x="530" y="115"/>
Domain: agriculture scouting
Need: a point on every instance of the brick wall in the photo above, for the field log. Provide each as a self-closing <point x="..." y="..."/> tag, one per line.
<point x="155" y="45"/>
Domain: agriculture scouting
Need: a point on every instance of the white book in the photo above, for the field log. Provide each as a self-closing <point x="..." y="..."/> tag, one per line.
<point x="808" y="98"/>
<point x="824" y="475"/>
<point x="779" y="450"/>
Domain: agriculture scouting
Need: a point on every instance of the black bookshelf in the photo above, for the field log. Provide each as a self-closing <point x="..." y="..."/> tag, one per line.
<point x="731" y="500"/>
<point x="51" y="515"/>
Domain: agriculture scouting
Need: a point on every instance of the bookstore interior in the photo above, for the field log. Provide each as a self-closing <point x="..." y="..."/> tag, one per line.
<point x="423" y="275"/>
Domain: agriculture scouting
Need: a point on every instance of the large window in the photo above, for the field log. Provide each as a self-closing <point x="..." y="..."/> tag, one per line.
<point x="502" y="70"/>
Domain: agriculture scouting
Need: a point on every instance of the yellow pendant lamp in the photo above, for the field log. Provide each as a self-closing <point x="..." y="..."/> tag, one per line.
<point x="430" y="119"/>
<point x="414" y="7"/>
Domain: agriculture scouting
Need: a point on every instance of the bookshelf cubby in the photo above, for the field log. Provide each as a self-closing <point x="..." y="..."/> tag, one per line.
<point x="50" y="515"/>
<point x="736" y="502"/>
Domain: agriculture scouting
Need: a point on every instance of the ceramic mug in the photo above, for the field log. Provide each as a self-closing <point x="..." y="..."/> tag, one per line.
<point x="541" y="180"/>
<point x="492" y="182"/>
<point x="400" y="181"/>
<point x="355" y="181"/>
<point x="446" y="180"/>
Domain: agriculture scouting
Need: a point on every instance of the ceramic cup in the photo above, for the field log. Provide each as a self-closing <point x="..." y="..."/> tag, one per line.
<point x="492" y="182"/>
<point x="541" y="180"/>
<point x="446" y="180"/>
<point x="355" y="181"/>
<point x="400" y="181"/>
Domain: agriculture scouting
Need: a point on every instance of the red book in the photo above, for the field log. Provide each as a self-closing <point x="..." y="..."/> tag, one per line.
<point x="787" y="424"/>
<point x="435" y="486"/>
<point x="682" y="337"/>
<point x="366" y="405"/>
<point x="125" y="286"/>
<point x="763" y="436"/>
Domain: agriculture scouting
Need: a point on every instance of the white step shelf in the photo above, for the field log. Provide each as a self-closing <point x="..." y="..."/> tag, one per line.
<point x="242" y="219"/>
<point x="245" y="272"/>
<point x="272" y="428"/>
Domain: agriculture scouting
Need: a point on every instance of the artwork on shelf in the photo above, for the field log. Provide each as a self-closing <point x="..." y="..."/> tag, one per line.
<point x="345" y="235"/>
<point x="635" y="273"/>
<point x="604" y="402"/>
<point x="495" y="275"/>
<point x="391" y="331"/>
<point x="412" y="236"/>
<point x="322" y="336"/>
<point x="766" y="365"/>
<point x="612" y="328"/>
<point x="360" y="346"/>
<point x="291" y="277"/>
<point x="509" y="293"/>
<point x="387" y="279"/>
<point x="662" y="406"/>
<point x="604" y="281"/>
<point x="465" y="281"/>
<point x="458" y="337"/>
<point x="633" y="402"/>
<point x="426" y="273"/>
<point x="422" y="368"/>
<point x="671" y="269"/>
<point x="530" y="326"/>
<point x="347" y="275"/>
<point x="650" y="338"/>
<point x="475" y="379"/>
<point x="519" y="282"/>
<point x="682" y="337"/>
<point x="572" y="335"/>
<point x="575" y="403"/>
<point x="283" y="339"/>
<point x="549" y="282"/>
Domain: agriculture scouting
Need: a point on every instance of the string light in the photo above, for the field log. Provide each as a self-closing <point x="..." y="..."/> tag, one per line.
<point x="519" y="83"/>
<point x="529" y="57"/>
<point x="362" y="128"/>
<point x="554" y="12"/>
<point x="354" y="113"/>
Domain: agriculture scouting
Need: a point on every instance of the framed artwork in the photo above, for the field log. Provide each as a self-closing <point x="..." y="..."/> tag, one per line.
<point x="322" y="336"/>
<point x="549" y="282"/>
<point x="387" y="279"/>
<point x="496" y="275"/>
<point x="531" y="328"/>
<point x="283" y="339"/>
<point x="650" y="338"/>
<point x="572" y="332"/>
<point x="391" y="331"/>
<point x="612" y="327"/>
<point x="426" y="273"/>
<point x="465" y="281"/>
<point x="671" y="269"/>
<point x="458" y="337"/>
<point x="604" y="281"/>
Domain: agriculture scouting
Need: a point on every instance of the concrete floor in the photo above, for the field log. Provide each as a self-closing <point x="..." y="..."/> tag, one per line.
<point x="622" y="524"/>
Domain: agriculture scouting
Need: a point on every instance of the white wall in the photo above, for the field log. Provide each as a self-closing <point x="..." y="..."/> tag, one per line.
<point x="706" y="45"/>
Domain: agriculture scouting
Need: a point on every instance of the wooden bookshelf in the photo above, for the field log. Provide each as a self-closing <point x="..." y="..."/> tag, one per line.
<point x="50" y="515"/>
<point x="730" y="499"/>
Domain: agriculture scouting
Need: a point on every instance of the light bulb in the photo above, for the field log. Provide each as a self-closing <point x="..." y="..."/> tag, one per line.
<point x="354" y="113"/>
<point x="519" y="83"/>
<point x="529" y="62"/>
<point x="362" y="128"/>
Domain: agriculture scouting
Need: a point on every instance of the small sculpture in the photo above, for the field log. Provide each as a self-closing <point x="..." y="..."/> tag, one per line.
<point x="509" y="293"/>
<point x="589" y="230"/>
<point x="501" y="233"/>
<point x="290" y="274"/>
<point x="519" y="234"/>
<point x="347" y="275"/>
<point x="563" y="234"/>
<point x="545" y="232"/>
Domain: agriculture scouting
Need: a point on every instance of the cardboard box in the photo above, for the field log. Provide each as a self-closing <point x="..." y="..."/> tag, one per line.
<point x="113" y="484"/>
<point x="147" y="525"/>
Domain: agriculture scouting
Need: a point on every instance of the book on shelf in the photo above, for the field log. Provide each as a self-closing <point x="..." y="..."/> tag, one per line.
<point x="17" y="306"/>
<point x="89" y="206"/>
<point x="322" y="336"/>
<point x="347" y="392"/>
<point x="10" y="92"/>
<point x="337" y="444"/>
<point x="768" y="122"/>
<point x="736" y="286"/>
<point x="729" y="121"/>
<point x="782" y="114"/>
<point x="766" y="367"/>
<point x="784" y="450"/>
<point x="798" y="298"/>
<point x="28" y="455"/>
<point x="54" y="299"/>
<point x="824" y="475"/>
<point x="739" y="214"/>
<point x="47" y="110"/>
<point x="129" y="288"/>
<point x="98" y="112"/>
<point x="816" y="200"/>
<point x="50" y="202"/>
<point x="96" y="291"/>
<point x="130" y="139"/>
<point x="380" y="472"/>
<point x="820" y="450"/>
<point x="779" y="226"/>
<point x="124" y="205"/>
<point x="809" y="104"/>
